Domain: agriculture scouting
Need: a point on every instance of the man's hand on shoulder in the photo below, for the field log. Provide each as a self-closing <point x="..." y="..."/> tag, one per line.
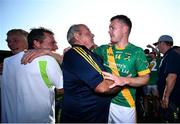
<point x="30" y="55"/>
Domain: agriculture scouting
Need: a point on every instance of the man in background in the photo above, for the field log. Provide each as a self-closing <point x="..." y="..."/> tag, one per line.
<point x="169" y="78"/>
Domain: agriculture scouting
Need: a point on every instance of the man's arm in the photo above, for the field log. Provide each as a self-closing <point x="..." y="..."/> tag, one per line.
<point x="138" y="81"/>
<point x="131" y="81"/>
<point x="170" y="82"/>
<point x="30" y="55"/>
<point x="104" y="87"/>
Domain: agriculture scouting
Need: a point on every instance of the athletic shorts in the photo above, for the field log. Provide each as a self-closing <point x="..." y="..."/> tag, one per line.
<point x="121" y="114"/>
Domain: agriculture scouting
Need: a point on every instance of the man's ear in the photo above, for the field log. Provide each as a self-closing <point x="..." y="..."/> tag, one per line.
<point x="76" y="36"/>
<point x="125" y="29"/>
<point x="37" y="44"/>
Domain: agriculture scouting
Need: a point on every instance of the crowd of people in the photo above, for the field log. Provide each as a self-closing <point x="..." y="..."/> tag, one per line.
<point x="97" y="84"/>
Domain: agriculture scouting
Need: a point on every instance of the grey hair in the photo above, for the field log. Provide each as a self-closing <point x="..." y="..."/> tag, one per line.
<point x="72" y="30"/>
<point x="17" y="31"/>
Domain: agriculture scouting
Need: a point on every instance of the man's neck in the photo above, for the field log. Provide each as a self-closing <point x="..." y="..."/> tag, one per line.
<point x="122" y="43"/>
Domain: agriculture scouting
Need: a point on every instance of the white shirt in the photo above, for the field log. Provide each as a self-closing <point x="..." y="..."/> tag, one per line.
<point x="28" y="90"/>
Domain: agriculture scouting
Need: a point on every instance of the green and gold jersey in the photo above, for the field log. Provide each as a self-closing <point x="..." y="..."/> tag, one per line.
<point x="130" y="61"/>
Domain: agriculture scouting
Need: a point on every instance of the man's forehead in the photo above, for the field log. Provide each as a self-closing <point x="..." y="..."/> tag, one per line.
<point x="115" y="22"/>
<point x="48" y="36"/>
<point x="84" y="29"/>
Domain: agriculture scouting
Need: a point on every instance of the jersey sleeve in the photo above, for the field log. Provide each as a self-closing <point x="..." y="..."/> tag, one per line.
<point x="141" y="63"/>
<point x="54" y="72"/>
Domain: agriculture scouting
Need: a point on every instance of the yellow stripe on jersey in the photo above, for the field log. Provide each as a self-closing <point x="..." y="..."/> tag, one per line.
<point x="144" y="72"/>
<point x="88" y="58"/>
<point x="125" y="91"/>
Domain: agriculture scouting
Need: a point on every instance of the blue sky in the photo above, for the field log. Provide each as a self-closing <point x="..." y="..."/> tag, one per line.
<point x="150" y="18"/>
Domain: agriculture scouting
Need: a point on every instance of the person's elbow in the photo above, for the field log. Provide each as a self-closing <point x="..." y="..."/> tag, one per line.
<point x="102" y="87"/>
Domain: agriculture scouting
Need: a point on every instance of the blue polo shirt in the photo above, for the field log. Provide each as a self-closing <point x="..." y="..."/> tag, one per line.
<point x="170" y="64"/>
<point x="81" y="103"/>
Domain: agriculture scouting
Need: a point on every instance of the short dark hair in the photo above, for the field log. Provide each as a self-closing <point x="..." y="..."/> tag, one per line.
<point x="37" y="34"/>
<point x="124" y="19"/>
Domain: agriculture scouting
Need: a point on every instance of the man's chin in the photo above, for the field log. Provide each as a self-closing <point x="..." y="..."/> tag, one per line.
<point x="112" y="42"/>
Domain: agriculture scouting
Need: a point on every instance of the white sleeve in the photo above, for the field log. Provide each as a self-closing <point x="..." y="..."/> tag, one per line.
<point x="55" y="73"/>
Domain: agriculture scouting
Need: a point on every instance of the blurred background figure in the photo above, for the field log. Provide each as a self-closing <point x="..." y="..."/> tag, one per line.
<point x="169" y="79"/>
<point x="17" y="40"/>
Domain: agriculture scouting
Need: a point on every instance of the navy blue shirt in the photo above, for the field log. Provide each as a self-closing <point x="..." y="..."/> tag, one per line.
<point x="81" y="103"/>
<point x="170" y="64"/>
